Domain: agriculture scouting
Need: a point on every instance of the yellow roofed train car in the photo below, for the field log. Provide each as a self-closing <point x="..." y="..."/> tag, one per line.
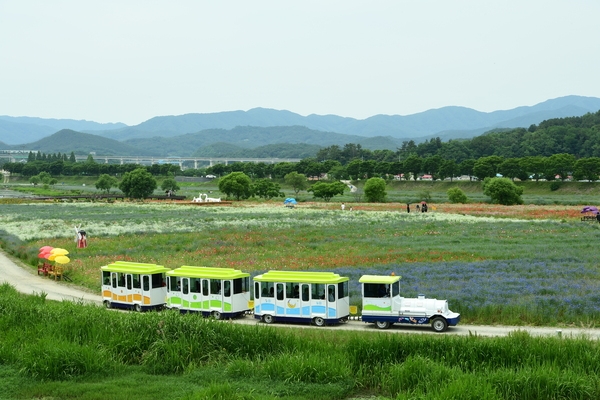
<point x="291" y="296"/>
<point x="132" y="285"/>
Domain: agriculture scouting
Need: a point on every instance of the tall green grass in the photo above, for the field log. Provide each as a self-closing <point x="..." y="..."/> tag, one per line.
<point x="53" y="342"/>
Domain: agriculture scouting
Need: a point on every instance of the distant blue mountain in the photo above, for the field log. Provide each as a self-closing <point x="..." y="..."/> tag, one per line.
<point x="19" y="130"/>
<point x="447" y="122"/>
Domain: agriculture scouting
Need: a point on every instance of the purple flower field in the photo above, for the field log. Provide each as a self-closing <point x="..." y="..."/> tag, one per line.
<point x="553" y="289"/>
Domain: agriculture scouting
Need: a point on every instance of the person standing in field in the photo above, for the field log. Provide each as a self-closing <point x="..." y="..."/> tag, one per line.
<point x="343" y="206"/>
<point x="408" y="207"/>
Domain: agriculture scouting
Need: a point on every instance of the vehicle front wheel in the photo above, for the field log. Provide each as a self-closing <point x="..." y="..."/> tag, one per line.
<point x="216" y="315"/>
<point x="137" y="308"/>
<point x="319" y="321"/>
<point x="107" y="304"/>
<point x="439" y="324"/>
<point x="382" y="324"/>
<point x="269" y="319"/>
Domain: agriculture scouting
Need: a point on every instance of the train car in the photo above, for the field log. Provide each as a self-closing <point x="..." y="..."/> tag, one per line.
<point x="217" y="292"/>
<point x="131" y="285"/>
<point x="320" y="298"/>
<point x="383" y="305"/>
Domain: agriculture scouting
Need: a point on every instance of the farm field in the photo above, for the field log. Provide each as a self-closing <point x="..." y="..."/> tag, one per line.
<point x="519" y="265"/>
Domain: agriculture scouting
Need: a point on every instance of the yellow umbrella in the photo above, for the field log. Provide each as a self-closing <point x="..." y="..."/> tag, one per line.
<point x="51" y="257"/>
<point x="62" y="259"/>
<point x="59" y="252"/>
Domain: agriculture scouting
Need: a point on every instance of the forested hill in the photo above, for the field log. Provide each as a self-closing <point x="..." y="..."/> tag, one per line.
<point x="579" y="136"/>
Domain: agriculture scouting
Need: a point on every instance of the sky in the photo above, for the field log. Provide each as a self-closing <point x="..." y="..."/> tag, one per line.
<point x="130" y="60"/>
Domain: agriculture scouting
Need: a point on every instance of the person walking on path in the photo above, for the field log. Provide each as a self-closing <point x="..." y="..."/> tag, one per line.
<point x="408" y="207"/>
<point x="343" y="206"/>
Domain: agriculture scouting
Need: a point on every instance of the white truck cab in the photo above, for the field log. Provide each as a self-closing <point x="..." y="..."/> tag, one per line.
<point x="383" y="305"/>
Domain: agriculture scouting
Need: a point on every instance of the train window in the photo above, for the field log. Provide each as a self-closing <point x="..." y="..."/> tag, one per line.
<point x="267" y="289"/>
<point x="317" y="291"/>
<point x="158" y="280"/>
<point x="246" y="284"/>
<point x="204" y="287"/>
<point x="396" y="289"/>
<point x="305" y="292"/>
<point x="173" y="284"/>
<point x="292" y="290"/>
<point x="280" y="291"/>
<point x="331" y="293"/>
<point x="105" y="278"/>
<point x="186" y="285"/>
<point x="343" y="290"/>
<point x="215" y="286"/>
<point x="114" y="279"/>
<point x="146" y="282"/>
<point x="136" y="281"/>
<point x="129" y="282"/>
<point x="376" y="290"/>
<point x="121" y="280"/>
<point x="227" y="288"/>
<point x="195" y="285"/>
<point x="256" y="290"/>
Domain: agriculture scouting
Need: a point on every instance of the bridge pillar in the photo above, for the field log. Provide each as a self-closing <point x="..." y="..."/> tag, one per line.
<point x="195" y="164"/>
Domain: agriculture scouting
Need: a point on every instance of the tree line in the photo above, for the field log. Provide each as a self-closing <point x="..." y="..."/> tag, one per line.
<point x="561" y="148"/>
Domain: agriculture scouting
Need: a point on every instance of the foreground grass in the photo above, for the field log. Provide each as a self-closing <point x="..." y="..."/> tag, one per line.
<point x="67" y="350"/>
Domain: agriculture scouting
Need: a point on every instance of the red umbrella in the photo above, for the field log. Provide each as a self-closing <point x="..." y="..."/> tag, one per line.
<point x="45" y="248"/>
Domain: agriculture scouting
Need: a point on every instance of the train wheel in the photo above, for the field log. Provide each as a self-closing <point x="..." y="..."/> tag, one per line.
<point x="268" y="319"/>
<point x="319" y="321"/>
<point x="382" y="324"/>
<point x="137" y="308"/>
<point x="107" y="304"/>
<point x="439" y="324"/>
<point x="216" y="315"/>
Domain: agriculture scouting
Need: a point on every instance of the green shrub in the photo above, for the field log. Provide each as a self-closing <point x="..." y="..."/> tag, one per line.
<point x="456" y="195"/>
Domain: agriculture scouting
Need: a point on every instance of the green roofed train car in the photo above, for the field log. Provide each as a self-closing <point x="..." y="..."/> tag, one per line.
<point x="217" y="292"/>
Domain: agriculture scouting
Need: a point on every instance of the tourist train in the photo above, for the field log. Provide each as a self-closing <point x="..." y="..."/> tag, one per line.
<point x="319" y="298"/>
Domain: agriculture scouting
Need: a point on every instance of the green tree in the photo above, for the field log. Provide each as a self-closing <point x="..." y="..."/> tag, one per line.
<point x="448" y="169"/>
<point x="487" y="167"/>
<point x="106" y="182"/>
<point x="502" y="191"/>
<point x="456" y="195"/>
<point x="587" y="168"/>
<point x="138" y="184"/>
<point x="297" y="181"/>
<point x="34" y="180"/>
<point x="413" y="165"/>
<point x="236" y="184"/>
<point x="375" y="190"/>
<point x="267" y="189"/>
<point x="326" y="191"/>
<point x="561" y="165"/>
<point x="169" y="184"/>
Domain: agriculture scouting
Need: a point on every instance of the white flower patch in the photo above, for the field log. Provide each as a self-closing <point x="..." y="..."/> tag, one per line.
<point x="127" y="218"/>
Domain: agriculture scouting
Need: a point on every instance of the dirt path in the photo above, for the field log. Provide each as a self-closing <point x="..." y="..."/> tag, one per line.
<point x="26" y="281"/>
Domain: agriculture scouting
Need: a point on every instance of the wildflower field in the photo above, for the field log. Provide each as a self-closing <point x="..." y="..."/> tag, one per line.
<point x="495" y="264"/>
<point x="508" y="265"/>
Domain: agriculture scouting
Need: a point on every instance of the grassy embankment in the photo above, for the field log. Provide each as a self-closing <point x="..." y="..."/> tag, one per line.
<point x="67" y="350"/>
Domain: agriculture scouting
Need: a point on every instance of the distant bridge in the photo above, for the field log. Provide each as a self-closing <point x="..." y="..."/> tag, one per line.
<point x="15" y="155"/>
<point x="180" y="160"/>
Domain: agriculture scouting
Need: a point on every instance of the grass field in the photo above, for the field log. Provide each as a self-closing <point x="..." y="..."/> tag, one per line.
<point x="530" y="264"/>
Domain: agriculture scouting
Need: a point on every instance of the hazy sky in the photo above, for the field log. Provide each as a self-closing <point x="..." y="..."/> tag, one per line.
<point x="128" y="61"/>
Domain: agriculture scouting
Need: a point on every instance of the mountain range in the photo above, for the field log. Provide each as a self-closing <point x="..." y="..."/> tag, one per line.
<point x="257" y="129"/>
